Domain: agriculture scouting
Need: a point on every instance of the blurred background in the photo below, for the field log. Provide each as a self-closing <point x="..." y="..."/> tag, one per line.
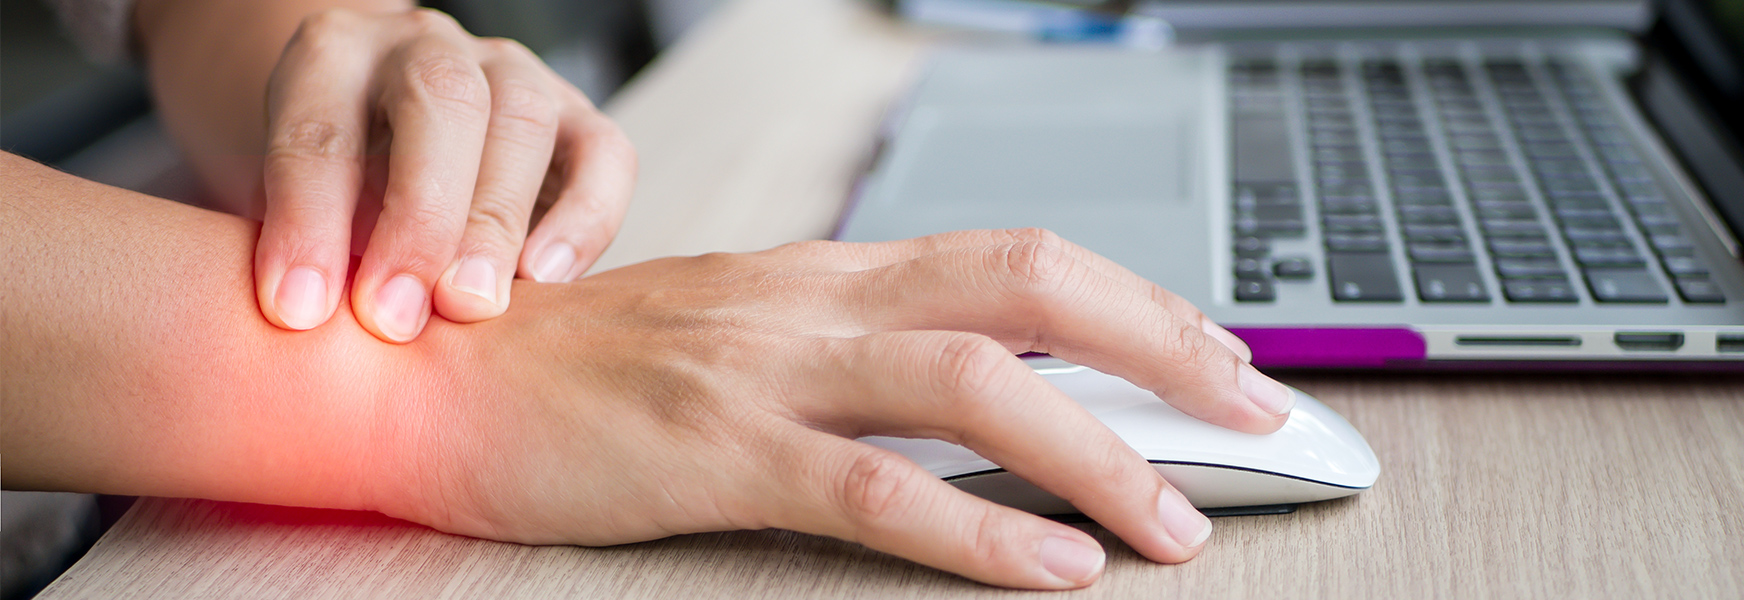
<point x="95" y="121"/>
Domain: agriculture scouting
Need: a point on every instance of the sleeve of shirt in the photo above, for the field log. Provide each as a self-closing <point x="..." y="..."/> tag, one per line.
<point x="102" y="28"/>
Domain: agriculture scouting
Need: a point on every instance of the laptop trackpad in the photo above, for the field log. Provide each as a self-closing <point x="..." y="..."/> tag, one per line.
<point x="1043" y="158"/>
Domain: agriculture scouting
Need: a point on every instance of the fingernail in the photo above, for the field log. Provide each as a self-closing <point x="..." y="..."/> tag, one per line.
<point x="476" y="276"/>
<point x="399" y="306"/>
<point x="1217" y="332"/>
<point x="1265" y="392"/>
<point x="1186" y="524"/>
<point x="302" y="298"/>
<point x="554" y="263"/>
<point x="1071" y="560"/>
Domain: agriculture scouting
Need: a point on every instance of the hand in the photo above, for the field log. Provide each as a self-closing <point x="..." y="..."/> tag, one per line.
<point x="726" y="391"/>
<point x="461" y="135"/>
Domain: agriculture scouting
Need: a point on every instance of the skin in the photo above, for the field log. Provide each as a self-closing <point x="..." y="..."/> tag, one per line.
<point x="680" y="395"/>
<point x="376" y="128"/>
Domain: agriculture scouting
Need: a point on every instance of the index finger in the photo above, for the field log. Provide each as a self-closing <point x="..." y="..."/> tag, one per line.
<point x="1035" y="297"/>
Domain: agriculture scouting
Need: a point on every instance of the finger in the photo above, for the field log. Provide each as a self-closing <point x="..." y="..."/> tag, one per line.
<point x="967" y="389"/>
<point x="884" y="253"/>
<point x="437" y="102"/>
<point x="1036" y="297"/>
<point x="517" y="154"/>
<point x="882" y="500"/>
<point x="596" y="177"/>
<point x="318" y="126"/>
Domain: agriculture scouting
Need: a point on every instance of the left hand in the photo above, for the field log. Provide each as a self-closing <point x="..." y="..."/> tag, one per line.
<point x="462" y="135"/>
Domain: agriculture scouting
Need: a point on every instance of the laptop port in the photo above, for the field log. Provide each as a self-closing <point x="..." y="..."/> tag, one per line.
<point x="1729" y="342"/>
<point x="1517" y="340"/>
<point x="1649" y="341"/>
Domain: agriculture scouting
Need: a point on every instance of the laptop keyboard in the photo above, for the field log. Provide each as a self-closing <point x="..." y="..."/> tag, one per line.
<point x="1449" y="181"/>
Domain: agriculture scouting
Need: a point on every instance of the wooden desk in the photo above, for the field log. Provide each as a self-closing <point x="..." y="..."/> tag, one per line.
<point x="750" y="134"/>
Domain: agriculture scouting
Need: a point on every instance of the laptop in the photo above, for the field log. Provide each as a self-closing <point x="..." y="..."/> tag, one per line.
<point x="1560" y="189"/>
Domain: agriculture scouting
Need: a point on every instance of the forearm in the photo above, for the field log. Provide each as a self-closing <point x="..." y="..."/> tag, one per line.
<point x="136" y="362"/>
<point x="210" y="61"/>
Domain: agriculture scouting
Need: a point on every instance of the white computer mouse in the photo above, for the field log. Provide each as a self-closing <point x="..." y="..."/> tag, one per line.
<point x="1316" y="456"/>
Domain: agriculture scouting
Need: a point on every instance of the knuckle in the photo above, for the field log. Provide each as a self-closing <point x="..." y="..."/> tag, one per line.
<point x="990" y="539"/>
<point x="500" y="217"/>
<point x="1108" y="465"/>
<point x="1191" y="344"/>
<point x="314" y="138"/>
<point x="526" y="103"/>
<point x="876" y="488"/>
<point x="325" y="24"/>
<point x="1037" y="235"/>
<point x="607" y="140"/>
<point x="448" y="78"/>
<point x="314" y="220"/>
<point x="1035" y="267"/>
<point x="425" y="230"/>
<point x="805" y="249"/>
<point x="507" y="46"/>
<point x="970" y="367"/>
<point x="430" y="20"/>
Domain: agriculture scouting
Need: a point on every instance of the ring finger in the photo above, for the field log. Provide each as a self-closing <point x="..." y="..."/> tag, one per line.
<point x="518" y="144"/>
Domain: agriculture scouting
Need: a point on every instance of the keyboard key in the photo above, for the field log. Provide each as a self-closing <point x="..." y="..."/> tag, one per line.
<point x="1499" y="194"/>
<point x="1566" y="212"/>
<point x="1250" y="268"/>
<point x="1538" y="290"/>
<point x="1273" y="228"/>
<point x="1418" y="180"/>
<point x="1433" y="233"/>
<point x="1672" y="245"/>
<point x="1500" y="228"/>
<point x="1440" y="253"/>
<point x="1577" y="235"/>
<point x="1465" y="143"/>
<point x="1684" y="266"/>
<point x="1423" y="197"/>
<point x="1254" y="290"/>
<point x="1345" y="242"/>
<point x="1700" y="290"/>
<point x="1538" y="151"/>
<point x="1261" y="148"/>
<point x="1487" y="158"/>
<point x="1271" y="213"/>
<point x="1349" y="206"/>
<point x="1510" y="268"/>
<point x="1364" y="223"/>
<point x="1339" y="154"/>
<point x="1341" y="170"/>
<point x="1521" y="248"/>
<point x="1506" y="212"/>
<point x="1355" y="190"/>
<point x="1450" y="283"/>
<point x="1251" y="247"/>
<point x="1624" y="285"/>
<point x="1429" y="215"/>
<point x="1366" y="277"/>
<point x="1489" y="175"/>
<point x="1605" y="222"/>
<point x="1293" y="268"/>
<point x="1606" y="256"/>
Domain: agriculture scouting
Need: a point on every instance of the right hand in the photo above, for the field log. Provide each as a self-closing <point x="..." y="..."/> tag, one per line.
<point x="726" y="391"/>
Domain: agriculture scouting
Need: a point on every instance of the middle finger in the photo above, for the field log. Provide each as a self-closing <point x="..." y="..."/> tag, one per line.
<point x="1035" y="297"/>
<point x="437" y="103"/>
<point x="517" y="154"/>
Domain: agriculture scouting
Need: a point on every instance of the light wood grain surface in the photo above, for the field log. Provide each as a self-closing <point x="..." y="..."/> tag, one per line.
<point x="750" y="134"/>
